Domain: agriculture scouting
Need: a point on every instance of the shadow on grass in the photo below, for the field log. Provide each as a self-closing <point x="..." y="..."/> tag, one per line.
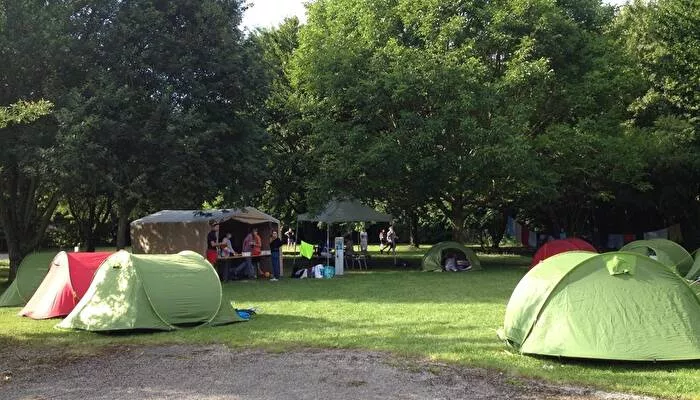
<point x="388" y="286"/>
<point x="412" y="262"/>
<point x="595" y="364"/>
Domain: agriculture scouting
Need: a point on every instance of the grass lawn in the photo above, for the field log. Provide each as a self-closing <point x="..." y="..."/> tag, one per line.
<point x="440" y="316"/>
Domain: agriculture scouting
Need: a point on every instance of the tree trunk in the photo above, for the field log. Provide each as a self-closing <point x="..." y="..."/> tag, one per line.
<point x="555" y="224"/>
<point x="413" y="225"/>
<point x="15" y="256"/>
<point x="124" y="209"/>
<point x="458" y="232"/>
<point x="497" y="230"/>
<point x="90" y="242"/>
<point x="25" y="213"/>
<point x="90" y="215"/>
<point x="453" y="210"/>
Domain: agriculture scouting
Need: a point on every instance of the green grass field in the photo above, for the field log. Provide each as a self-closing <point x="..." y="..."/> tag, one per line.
<point x="439" y="316"/>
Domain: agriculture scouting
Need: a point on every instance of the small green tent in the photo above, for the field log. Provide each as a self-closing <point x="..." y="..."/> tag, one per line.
<point x="668" y="253"/>
<point x="616" y="306"/>
<point x="146" y="291"/>
<point x="432" y="260"/>
<point x="31" y="272"/>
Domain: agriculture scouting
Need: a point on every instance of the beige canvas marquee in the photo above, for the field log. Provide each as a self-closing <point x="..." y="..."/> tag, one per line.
<point x="172" y="231"/>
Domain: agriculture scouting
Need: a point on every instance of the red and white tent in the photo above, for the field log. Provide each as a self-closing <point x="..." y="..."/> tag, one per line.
<point x="69" y="277"/>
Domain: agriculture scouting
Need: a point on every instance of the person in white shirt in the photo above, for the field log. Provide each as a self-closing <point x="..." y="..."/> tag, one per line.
<point x="390" y="241"/>
<point x="226" y="247"/>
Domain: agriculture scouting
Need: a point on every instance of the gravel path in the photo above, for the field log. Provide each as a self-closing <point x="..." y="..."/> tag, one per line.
<point x="217" y="372"/>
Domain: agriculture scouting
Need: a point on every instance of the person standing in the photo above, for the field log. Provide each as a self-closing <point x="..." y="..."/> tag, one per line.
<point x="390" y="241"/>
<point x="275" y="244"/>
<point x="213" y="243"/>
<point x="290" y="238"/>
<point x="382" y="241"/>
<point x="257" y="243"/>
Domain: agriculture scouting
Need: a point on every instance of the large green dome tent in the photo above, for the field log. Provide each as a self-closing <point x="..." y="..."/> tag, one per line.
<point x="30" y="273"/>
<point x="615" y="306"/>
<point x="668" y="253"/>
<point x="432" y="259"/>
<point x="152" y="291"/>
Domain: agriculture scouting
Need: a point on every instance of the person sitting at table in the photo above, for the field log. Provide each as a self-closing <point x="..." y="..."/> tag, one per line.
<point x="226" y="246"/>
<point x="349" y="250"/>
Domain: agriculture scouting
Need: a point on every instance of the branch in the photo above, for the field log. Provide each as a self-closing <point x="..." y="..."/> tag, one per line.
<point x="45" y="218"/>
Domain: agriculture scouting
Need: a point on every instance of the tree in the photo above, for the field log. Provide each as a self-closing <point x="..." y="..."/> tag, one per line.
<point x="662" y="37"/>
<point x="662" y="41"/>
<point x="164" y="109"/>
<point x="578" y="131"/>
<point x="425" y="99"/>
<point x="30" y="44"/>
<point x="289" y="164"/>
<point x="24" y="112"/>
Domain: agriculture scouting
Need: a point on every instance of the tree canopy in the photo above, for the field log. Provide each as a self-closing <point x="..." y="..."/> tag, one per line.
<point x="572" y="115"/>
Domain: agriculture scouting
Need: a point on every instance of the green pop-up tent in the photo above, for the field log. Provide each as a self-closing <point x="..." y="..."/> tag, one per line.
<point x="30" y="273"/>
<point x="615" y="306"/>
<point x="146" y="291"/>
<point x="432" y="259"/>
<point x="668" y="253"/>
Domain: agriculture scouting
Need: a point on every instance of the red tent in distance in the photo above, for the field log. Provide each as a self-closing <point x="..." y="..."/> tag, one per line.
<point x="560" y="246"/>
<point x="582" y="244"/>
<point x="69" y="277"/>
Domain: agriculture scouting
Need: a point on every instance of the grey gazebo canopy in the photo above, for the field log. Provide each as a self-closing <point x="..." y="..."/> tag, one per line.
<point x="345" y="211"/>
<point x="337" y="211"/>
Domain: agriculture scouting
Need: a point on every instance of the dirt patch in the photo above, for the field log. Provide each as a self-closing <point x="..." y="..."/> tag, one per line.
<point x="217" y="372"/>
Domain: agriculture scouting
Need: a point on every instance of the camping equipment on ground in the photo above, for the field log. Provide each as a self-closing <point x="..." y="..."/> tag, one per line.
<point x="67" y="281"/>
<point x="318" y="271"/>
<point x="432" y="259"/>
<point x="614" y="306"/>
<point x="152" y="291"/>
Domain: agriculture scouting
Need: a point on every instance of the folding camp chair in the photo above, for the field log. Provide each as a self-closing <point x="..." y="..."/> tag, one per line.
<point x="359" y="258"/>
